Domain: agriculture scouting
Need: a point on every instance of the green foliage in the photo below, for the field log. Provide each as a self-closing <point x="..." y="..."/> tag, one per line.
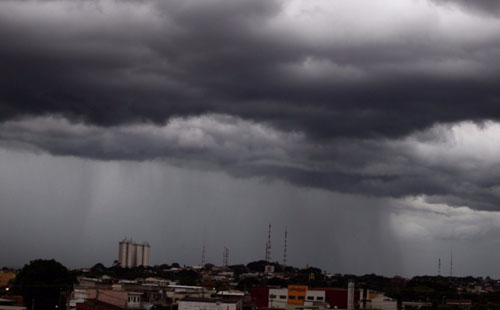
<point x="246" y="284"/>
<point x="43" y="282"/>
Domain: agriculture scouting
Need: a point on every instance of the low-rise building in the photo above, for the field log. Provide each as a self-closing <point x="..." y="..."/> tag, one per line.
<point x="106" y="298"/>
<point x="8" y="304"/>
<point x="278" y="298"/>
<point x="193" y="303"/>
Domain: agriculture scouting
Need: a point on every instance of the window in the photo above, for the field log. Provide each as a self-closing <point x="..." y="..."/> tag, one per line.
<point x="310" y="297"/>
<point x="291" y="297"/>
<point x="301" y="297"/>
<point x="282" y="296"/>
<point x="272" y="296"/>
<point x="319" y="298"/>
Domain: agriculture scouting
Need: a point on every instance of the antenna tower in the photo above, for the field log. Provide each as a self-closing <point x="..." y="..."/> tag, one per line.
<point x="439" y="266"/>
<point x="203" y="255"/>
<point x="284" y="249"/>
<point x="225" y="257"/>
<point x="451" y="263"/>
<point x="268" y="245"/>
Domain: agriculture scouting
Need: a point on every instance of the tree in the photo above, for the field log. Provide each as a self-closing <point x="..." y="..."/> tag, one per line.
<point x="44" y="282"/>
<point x="98" y="269"/>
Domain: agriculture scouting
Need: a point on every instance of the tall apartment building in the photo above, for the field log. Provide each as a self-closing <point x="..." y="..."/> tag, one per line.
<point x="132" y="254"/>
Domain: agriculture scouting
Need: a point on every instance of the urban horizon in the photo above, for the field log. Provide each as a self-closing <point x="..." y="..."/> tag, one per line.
<point x="359" y="137"/>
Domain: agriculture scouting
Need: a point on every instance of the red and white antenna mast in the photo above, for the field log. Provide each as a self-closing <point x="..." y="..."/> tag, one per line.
<point x="268" y="245"/>
<point x="203" y="255"/>
<point x="225" y="257"/>
<point x="284" y="249"/>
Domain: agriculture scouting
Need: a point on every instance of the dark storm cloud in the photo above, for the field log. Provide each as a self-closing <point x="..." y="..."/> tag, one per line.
<point x="316" y="95"/>
<point x="435" y="163"/>
<point x="111" y="63"/>
<point x="486" y="7"/>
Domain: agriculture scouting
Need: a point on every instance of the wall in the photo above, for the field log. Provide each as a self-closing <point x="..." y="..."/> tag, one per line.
<point x="276" y="299"/>
<point x="198" y="305"/>
<point x="296" y="294"/>
<point x="260" y="296"/>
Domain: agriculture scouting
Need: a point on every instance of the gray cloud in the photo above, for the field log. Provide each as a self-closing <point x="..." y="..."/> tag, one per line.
<point x="352" y="102"/>
<point x="306" y="95"/>
<point x="437" y="163"/>
<point x="485" y="7"/>
<point x="111" y="63"/>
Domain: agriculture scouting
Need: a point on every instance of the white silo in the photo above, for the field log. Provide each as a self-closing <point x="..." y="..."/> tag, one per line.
<point x="350" y="295"/>
<point x="122" y="253"/>
<point x="131" y="254"/>
<point x="139" y="250"/>
<point x="146" y="249"/>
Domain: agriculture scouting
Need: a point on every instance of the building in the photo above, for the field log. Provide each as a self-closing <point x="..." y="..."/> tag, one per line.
<point x="107" y="299"/>
<point x="459" y="303"/>
<point x="5" y="277"/>
<point x="278" y="298"/>
<point x="260" y="297"/>
<point x="7" y="304"/>
<point x="193" y="303"/>
<point x="132" y="254"/>
<point x="296" y="294"/>
<point x="416" y="305"/>
<point x="302" y="297"/>
<point x="372" y="300"/>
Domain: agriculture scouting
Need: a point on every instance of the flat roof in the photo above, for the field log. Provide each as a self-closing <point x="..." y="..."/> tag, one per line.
<point x="211" y="300"/>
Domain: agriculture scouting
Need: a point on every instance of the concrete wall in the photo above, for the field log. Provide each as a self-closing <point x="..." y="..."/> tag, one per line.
<point x="198" y="305"/>
<point x="278" y="298"/>
<point x="383" y="303"/>
<point x="260" y="296"/>
<point x="296" y="294"/>
<point x="315" y="295"/>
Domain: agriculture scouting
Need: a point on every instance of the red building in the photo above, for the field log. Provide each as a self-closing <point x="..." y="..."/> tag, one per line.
<point x="101" y="305"/>
<point x="260" y="297"/>
<point x="337" y="297"/>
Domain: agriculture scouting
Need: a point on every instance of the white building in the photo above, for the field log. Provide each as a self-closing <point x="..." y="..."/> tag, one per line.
<point x="191" y="303"/>
<point x="278" y="298"/>
<point x="378" y="301"/>
<point x="314" y="296"/>
<point x="383" y="303"/>
<point x="132" y="254"/>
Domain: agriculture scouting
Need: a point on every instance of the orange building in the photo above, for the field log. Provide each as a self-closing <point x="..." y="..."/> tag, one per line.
<point x="296" y="294"/>
<point x="5" y="277"/>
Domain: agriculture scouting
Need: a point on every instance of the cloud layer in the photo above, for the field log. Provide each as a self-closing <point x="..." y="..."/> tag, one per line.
<point x="451" y="164"/>
<point x="326" y="68"/>
<point x="374" y="98"/>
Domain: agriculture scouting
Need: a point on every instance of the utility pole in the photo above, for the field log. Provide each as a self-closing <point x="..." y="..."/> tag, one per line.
<point x="96" y="302"/>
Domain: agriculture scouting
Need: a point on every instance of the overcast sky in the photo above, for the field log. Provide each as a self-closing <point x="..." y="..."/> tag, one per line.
<point x="370" y="129"/>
